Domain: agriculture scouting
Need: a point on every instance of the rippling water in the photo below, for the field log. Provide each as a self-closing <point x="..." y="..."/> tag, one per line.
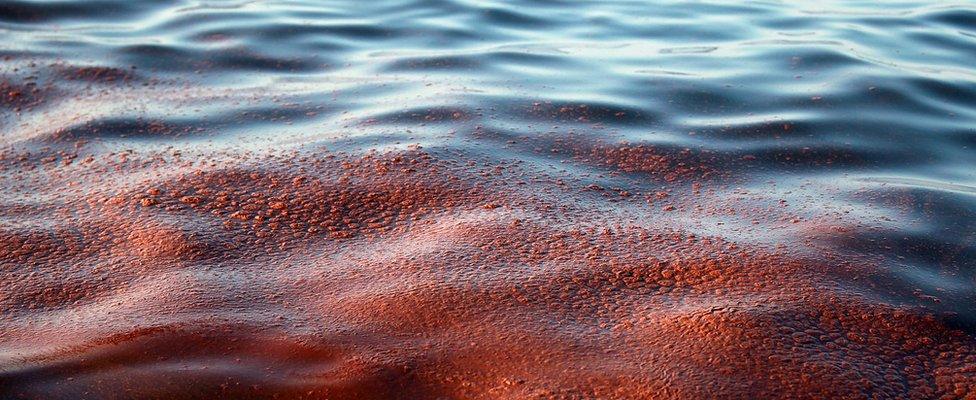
<point x="467" y="199"/>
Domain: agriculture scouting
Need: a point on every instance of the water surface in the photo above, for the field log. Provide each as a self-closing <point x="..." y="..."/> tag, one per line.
<point x="495" y="200"/>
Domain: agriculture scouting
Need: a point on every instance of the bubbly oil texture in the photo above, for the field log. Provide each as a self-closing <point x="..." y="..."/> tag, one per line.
<point x="487" y="200"/>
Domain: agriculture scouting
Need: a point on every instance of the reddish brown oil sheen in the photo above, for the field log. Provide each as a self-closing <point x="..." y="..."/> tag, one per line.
<point x="428" y="273"/>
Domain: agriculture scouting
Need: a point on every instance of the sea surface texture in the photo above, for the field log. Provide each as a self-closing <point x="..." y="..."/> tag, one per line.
<point x="459" y="199"/>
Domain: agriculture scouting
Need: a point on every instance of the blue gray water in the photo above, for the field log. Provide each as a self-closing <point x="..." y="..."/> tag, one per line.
<point x="481" y="199"/>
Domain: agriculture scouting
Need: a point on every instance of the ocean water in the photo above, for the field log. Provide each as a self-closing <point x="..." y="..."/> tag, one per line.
<point x="487" y="200"/>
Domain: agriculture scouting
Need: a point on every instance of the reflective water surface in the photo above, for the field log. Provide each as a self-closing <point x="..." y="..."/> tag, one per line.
<point x="487" y="200"/>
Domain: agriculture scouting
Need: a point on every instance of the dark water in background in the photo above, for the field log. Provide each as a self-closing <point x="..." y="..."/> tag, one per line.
<point x="461" y="199"/>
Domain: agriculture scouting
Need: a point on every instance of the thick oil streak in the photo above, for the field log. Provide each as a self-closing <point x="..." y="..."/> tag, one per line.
<point x="487" y="200"/>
